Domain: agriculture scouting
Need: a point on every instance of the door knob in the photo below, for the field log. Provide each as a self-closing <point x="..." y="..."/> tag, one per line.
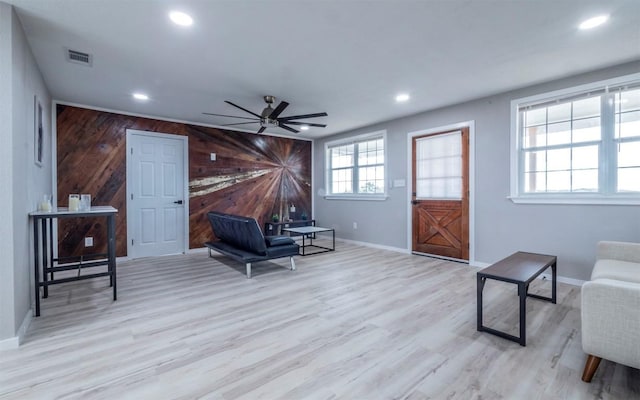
<point x="177" y="202"/>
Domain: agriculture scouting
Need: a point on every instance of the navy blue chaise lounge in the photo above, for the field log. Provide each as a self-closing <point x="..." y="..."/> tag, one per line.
<point x="241" y="239"/>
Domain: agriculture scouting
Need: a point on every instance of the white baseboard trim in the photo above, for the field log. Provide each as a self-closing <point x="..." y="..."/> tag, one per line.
<point x="14" y="342"/>
<point x="564" y="279"/>
<point x="375" y="246"/>
<point x="473" y="263"/>
<point x="189" y="251"/>
<point x="26" y="322"/>
<point x="9" y="343"/>
<point x="478" y="264"/>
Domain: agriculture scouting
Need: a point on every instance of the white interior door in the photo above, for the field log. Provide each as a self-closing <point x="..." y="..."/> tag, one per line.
<point x="156" y="194"/>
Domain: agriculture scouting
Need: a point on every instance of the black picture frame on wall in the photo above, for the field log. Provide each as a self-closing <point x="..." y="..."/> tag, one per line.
<point x="38" y="139"/>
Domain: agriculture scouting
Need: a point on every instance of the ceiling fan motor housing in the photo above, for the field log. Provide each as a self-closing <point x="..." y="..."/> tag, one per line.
<point x="267" y="110"/>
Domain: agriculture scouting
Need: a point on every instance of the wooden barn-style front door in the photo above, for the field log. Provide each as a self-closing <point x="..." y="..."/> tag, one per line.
<point x="440" y="195"/>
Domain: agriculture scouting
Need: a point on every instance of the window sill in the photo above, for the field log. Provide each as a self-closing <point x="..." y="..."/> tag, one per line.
<point x="376" y="197"/>
<point x="595" y="200"/>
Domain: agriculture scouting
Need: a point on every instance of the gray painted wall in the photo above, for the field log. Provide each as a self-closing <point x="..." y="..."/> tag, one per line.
<point x="501" y="227"/>
<point x="24" y="183"/>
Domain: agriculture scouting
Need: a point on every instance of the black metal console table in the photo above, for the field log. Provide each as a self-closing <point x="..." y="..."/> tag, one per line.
<point x="43" y="243"/>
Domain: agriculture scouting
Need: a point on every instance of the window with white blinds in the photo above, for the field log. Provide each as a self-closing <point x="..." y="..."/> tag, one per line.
<point x="439" y="166"/>
<point x="356" y="166"/>
<point x="583" y="145"/>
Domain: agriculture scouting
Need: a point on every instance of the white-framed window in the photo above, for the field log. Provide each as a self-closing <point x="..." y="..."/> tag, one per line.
<point x="578" y="145"/>
<point x="356" y="167"/>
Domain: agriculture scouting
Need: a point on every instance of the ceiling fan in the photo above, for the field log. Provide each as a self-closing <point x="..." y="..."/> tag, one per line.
<point x="271" y="117"/>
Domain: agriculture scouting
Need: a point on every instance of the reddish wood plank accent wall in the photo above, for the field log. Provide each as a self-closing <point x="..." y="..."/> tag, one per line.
<point x="254" y="175"/>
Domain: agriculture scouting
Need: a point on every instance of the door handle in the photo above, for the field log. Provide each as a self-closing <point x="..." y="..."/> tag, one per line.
<point x="177" y="202"/>
<point x="414" y="202"/>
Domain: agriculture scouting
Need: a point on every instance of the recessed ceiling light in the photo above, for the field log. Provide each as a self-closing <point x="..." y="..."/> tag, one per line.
<point x="180" y="18"/>
<point x="593" y="22"/>
<point x="140" y="96"/>
<point x="304" y="127"/>
<point x="401" y="98"/>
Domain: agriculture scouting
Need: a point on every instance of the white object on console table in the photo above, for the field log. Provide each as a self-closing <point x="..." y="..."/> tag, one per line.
<point x="74" y="202"/>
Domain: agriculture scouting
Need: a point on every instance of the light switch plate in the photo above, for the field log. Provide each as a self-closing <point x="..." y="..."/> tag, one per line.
<point x="398" y="183"/>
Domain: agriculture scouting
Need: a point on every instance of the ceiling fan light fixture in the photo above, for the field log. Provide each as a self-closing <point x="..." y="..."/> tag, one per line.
<point x="267" y="123"/>
<point x="304" y="127"/>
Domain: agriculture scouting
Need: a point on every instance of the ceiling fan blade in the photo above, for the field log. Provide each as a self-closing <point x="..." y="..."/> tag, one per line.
<point x="278" y="110"/>
<point x="288" y="128"/>
<point x="305" y="123"/>
<point x="261" y="129"/>
<point x="231" y="116"/>
<point x="242" y="108"/>
<point x="242" y="123"/>
<point x="322" y="114"/>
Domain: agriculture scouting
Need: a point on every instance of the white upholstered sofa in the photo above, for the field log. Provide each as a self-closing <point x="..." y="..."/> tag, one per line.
<point x="611" y="308"/>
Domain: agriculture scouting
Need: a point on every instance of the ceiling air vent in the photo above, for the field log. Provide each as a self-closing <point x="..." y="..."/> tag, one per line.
<point x="79" y="57"/>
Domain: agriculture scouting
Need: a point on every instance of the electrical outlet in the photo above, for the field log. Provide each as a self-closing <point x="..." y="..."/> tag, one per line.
<point x="88" y="241"/>
<point x="355" y="225"/>
<point x="213" y="156"/>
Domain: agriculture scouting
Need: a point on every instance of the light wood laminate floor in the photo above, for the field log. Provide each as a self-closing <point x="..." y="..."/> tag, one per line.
<point x="358" y="323"/>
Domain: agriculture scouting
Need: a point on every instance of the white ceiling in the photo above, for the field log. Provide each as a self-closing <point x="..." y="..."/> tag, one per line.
<point x="348" y="58"/>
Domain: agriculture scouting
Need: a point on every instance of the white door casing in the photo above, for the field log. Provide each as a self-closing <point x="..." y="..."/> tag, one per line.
<point x="157" y="194"/>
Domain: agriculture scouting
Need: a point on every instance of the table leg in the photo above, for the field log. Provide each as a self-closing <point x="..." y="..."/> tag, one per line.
<point x="45" y="262"/>
<point x="522" y="293"/>
<point x="334" y="239"/>
<point x="36" y="271"/>
<point x="479" y="287"/>
<point x="50" y="220"/>
<point x="111" y="250"/>
<point x="553" y="282"/>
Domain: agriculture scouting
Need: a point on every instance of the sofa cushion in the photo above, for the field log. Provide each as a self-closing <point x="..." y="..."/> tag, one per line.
<point x="234" y="252"/>
<point x="617" y="270"/>
<point x="283" y="250"/>
<point x="273" y="241"/>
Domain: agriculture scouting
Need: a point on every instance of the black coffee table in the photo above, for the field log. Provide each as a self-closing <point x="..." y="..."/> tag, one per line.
<point x="309" y="232"/>
<point x="520" y="268"/>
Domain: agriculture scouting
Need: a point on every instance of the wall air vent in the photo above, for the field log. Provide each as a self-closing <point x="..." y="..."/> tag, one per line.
<point x="79" y="57"/>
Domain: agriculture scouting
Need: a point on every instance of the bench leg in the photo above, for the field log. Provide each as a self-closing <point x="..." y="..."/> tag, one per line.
<point x="479" y="287"/>
<point x="293" y="263"/>
<point x="522" y="293"/>
<point x="248" y="265"/>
